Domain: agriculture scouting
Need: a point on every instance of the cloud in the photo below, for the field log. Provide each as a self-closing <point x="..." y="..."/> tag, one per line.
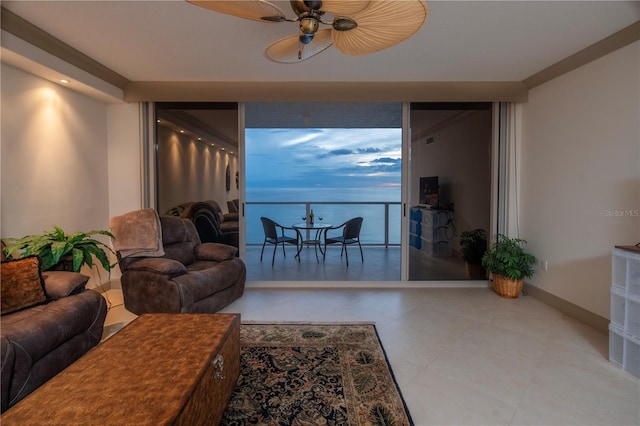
<point x="369" y="150"/>
<point x="340" y="152"/>
<point x="322" y="158"/>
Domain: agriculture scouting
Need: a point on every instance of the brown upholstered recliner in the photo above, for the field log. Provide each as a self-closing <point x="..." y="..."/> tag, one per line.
<point x="228" y="221"/>
<point x="213" y="225"/>
<point x="190" y="277"/>
<point x="233" y="206"/>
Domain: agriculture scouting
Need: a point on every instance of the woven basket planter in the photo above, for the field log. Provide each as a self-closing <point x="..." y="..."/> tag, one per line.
<point x="506" y="287"/>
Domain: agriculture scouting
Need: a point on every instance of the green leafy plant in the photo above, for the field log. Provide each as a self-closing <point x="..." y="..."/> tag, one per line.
<point x="506" y="257"/>
<point x="52" y="246"/>
<point x="473" y="245"/>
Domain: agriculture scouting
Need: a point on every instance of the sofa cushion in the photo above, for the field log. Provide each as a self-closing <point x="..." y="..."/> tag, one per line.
<point x="22" y="285"/>
<point x="228" y="227"/>
<point x="215" y="251"/>
<point x="59" y="284"/>
<point x="178" y="239"/>
<point x="205" y="278"/>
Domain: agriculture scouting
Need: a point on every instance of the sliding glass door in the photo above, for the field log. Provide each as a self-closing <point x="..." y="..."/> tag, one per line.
<point x="419" y="174"/>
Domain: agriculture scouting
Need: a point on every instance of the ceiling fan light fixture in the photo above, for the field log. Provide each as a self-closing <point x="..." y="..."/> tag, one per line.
<point x="305" y="38"/>
<point x="309" y="25"/>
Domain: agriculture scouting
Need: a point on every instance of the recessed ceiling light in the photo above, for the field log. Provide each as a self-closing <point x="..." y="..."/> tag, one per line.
<point x="64" y="81"/>
<point x="158" y="120"/>
<point x="181" y="131"/>
<point x="199" y="139"/>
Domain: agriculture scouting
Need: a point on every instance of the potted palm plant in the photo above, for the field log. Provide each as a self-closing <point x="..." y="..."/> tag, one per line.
<point x="509" y="265"/>
<point x="61" y="251"/>
<point x="473" y="245"/>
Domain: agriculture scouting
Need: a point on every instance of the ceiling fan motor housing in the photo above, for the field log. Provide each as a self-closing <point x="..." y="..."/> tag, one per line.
<point x="309" y="25"/>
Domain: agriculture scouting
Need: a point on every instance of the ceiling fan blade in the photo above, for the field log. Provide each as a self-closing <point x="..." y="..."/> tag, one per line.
<point x="257" y="10"/>
<point x="286" y="50"/>
<point x="344" y="7"/>
<point x="381" y="25"/>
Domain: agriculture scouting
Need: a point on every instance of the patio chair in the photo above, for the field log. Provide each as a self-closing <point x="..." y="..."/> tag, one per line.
<point x="272" y="236"/>
<point x="350" y="235"/>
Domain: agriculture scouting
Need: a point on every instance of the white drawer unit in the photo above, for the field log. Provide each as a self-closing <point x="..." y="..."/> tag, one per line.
<point x="434" y="218"/>
<point x="624" y="350"/>
<point x="625" y="311"/>
<point x="625" y="269"/>
<point x="624" y="328"/>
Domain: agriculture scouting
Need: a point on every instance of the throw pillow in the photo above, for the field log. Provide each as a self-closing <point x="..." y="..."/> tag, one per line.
<point x="215" y="251"/>
<point x="21" y="284"/>
<point x="59" y="284"/>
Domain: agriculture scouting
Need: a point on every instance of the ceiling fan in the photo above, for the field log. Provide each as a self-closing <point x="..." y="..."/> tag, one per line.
<point x="357" y="27"/>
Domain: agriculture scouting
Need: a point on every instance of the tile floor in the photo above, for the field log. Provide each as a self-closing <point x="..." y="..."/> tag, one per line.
<point x="380" y="264"/>
<point x="464" y="356"/>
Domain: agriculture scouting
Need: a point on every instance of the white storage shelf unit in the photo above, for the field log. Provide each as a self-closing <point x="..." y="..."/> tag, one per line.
<point x="624" y="328"/>
<point x="434" y="227"/>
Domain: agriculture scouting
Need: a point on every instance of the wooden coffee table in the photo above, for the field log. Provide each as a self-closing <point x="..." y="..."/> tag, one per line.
<point x="161" y="369"/>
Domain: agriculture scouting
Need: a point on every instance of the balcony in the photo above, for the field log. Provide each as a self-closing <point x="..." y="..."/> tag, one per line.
<point x="381" y="226"/>
<point x="380" y="236"/>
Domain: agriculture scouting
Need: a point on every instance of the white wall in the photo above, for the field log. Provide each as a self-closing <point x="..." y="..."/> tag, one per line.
<point x="580" y="175"/>
<point x="54" y="159"/>
<point x="125" y="158"/>
<point x="189" y="170"/>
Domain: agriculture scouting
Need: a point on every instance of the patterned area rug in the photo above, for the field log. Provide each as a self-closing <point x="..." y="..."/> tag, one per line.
<point x="314" y="374"/>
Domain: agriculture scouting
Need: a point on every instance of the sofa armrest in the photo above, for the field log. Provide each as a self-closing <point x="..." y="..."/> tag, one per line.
<point x="231" y="217"/>
<point x="59" y="284"/>
<point x="158" y="265"/>
<point x="7" y="355"/>
<point x="215" y="251"/>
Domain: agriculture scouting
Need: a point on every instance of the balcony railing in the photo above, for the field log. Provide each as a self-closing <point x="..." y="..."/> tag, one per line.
<point x="381" y="225"/>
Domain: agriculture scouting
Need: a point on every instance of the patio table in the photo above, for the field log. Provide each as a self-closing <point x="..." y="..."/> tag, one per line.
<point x="316" y="241"/>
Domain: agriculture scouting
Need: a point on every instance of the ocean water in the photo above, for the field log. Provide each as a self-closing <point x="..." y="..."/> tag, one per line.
<point x="373" y="227"/>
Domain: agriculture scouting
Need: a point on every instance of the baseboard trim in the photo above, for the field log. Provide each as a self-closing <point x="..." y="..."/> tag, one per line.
<point x="568" y="308"/>
<point x="367" y="284"/>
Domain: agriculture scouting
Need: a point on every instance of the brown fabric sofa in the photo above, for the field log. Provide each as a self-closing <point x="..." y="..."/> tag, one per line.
<point x="190" y="277"/>
<point x="40" y="341"/>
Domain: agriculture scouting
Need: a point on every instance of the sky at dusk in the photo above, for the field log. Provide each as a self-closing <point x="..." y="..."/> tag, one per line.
<point x="323" y="158"/>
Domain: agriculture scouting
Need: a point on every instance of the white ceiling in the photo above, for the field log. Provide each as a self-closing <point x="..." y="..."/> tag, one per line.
<point x="461" y="41"/>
